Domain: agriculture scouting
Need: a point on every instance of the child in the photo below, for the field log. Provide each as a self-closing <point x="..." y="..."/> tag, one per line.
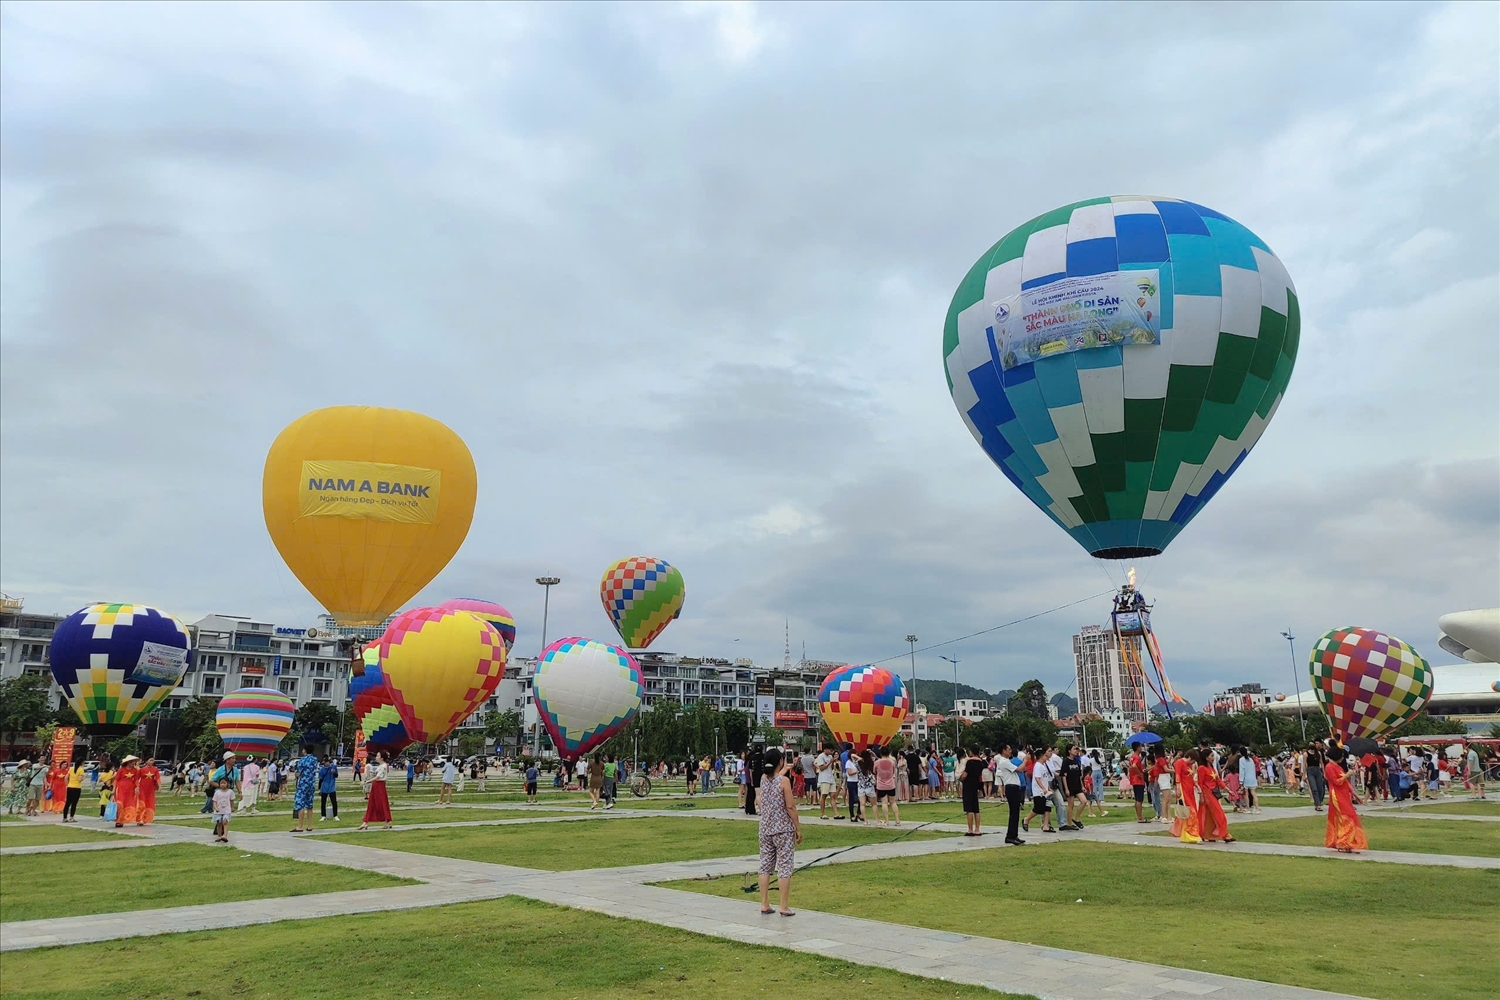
<point x="223" y="809"/>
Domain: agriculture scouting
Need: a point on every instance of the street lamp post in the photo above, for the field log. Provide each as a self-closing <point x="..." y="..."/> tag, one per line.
<point x="911" y="642"/>
<point x="1296" y="680"/>
<point x="547" y="583"/>
<point x="954" y="660"/>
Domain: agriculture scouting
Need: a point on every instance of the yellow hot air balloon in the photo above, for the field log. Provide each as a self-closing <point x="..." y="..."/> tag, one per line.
<point x="367" y="505"/>
<point x="440" y="665"/>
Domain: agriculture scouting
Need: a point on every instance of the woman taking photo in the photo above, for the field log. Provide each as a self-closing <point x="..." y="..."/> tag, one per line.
<point x="377" y="800"/>
<point x="780" y="832"/>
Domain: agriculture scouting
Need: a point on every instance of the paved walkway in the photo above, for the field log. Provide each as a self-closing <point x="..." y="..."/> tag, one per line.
<point x="625" y="892"/>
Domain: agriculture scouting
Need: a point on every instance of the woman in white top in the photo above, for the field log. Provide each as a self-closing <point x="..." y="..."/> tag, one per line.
<point x="378" y="803"/>
<point x="1007" y="778"/>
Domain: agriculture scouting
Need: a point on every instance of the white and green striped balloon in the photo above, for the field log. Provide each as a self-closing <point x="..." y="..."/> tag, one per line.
<point x="1118" y="438"/>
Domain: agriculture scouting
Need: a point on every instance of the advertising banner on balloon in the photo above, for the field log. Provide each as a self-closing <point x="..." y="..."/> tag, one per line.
<point x="1075" y="314"/>
<point x="374" y="491"/>
<point x="159" y="664"/>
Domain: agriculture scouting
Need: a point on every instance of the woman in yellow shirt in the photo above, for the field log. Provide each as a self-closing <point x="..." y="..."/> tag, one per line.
<point x="106" y="789"/>
<point x="75" y="789"/>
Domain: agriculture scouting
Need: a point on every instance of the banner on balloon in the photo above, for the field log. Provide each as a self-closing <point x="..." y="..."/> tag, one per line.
<point x="1075" y="314"/>
<point x="159" y="664"/>
<point x="374" y="491"/>
<point x="62" y="745"/>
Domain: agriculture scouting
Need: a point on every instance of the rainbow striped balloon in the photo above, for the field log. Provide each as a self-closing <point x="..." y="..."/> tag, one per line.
<point x="254" y="720"/>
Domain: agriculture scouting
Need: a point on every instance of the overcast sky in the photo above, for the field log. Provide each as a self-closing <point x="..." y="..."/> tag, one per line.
<point x="678" y="274"/>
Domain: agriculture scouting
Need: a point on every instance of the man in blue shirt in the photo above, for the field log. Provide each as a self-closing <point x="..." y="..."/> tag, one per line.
<point x="531" y="776"/>
<point x="411" y="772"/>
<point x="224" y="770"/>
<point x="328" y="788"/>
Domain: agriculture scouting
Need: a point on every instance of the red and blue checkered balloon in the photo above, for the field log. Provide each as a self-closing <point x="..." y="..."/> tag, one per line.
<point x="864" y="706"/>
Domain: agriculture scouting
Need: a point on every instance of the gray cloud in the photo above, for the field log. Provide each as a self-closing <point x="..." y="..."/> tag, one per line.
<point x="678" y="278"/>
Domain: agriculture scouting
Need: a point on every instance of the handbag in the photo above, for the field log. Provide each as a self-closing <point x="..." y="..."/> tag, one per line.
<point x="1180" y="811"/>
<point x="111" y="811"/>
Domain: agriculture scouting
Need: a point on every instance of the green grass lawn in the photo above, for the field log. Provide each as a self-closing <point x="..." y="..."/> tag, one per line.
<point x="452" y="953"/>
<point x="606" y="843"/>
<point x="34" y="834"/>
<point x="11" y="818"/>
<point x="1463" y="807"/>
<point x="1386" y="833"/>
<point x="280" y="822"/>
<point x="33" y="886"/>
<point x="1279" y="919"/>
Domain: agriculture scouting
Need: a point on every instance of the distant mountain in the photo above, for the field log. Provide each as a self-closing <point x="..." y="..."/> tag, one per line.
<point x="1066" y="705"/>
<point x="937" y="695"/>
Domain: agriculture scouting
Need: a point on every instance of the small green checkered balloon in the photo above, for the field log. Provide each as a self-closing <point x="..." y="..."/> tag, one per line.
<point x="1118" y="358"/>
<point x="1368" y="682"/>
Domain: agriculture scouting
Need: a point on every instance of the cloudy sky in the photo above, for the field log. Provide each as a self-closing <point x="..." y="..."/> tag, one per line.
<point x="678" y="274"/>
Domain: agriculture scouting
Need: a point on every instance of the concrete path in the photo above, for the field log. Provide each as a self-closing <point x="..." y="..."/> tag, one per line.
<point x="627" y="893"/>
<point x="1049" y="973"/>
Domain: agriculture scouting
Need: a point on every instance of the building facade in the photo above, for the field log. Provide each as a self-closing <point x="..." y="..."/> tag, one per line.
<point x="1104" y="679"/>
<point x="1240" y="698"/>
<point x="973" y="709"/>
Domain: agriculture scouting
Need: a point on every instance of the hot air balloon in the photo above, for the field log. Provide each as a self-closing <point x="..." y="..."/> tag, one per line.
<point x="586" y="691"/>
<point x="367" y="505"/>
<point x="641" y="595"/>
<point x="439" y="665"/>
<point x="1118" y="358"/>
<point x="496" y="615"/>
<point x="116" y="662"/>
<point x="254" y="720"/>
<point x="374" y="707"/>
<point x="1367" y="681"/>
<point x="863" y="705"/>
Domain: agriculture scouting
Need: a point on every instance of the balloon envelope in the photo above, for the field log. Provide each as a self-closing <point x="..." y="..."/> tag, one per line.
<point x="1118" y="358"/>
<point x="495" y="614"/>
<point x="586" y="691"/>
<point x="863" y="705"/>
<point x="366" y="505"/>
<point x="254" y="720"/>
<point x="374" y="707"/>
<point x="1367" y="681"/>
<point x="641" y="595"/>
<point x="439" y="665"/>
<point x="116" y="662"/>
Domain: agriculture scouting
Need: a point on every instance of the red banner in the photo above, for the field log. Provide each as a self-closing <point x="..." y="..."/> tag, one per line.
<point x="361" y="752"/>
<point x="62" y="745"/>
<point x="791" y="720"/>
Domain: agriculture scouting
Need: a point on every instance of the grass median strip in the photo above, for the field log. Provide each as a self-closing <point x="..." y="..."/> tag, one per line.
<point x="1386" y="833"/>
<point x="281" y="822"/>
<point x="1462" y="807"/>
<point x="612" y="843"/>
<point x="503" y="949"/>
<point x="34" y="886"/>
<point x="37" y="834"/>
<point x="1349" y="928"/>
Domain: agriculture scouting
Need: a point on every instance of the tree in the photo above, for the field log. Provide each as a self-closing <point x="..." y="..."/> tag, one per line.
<point x="23" y="704"/>
<point x="1030" y="698"/>
<point x="470" y="745"/>
<point x="502" y="726"/>
<point x="65" y="716"/>
<point x="119" y="749"/>
<point x="200" y="732"/>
